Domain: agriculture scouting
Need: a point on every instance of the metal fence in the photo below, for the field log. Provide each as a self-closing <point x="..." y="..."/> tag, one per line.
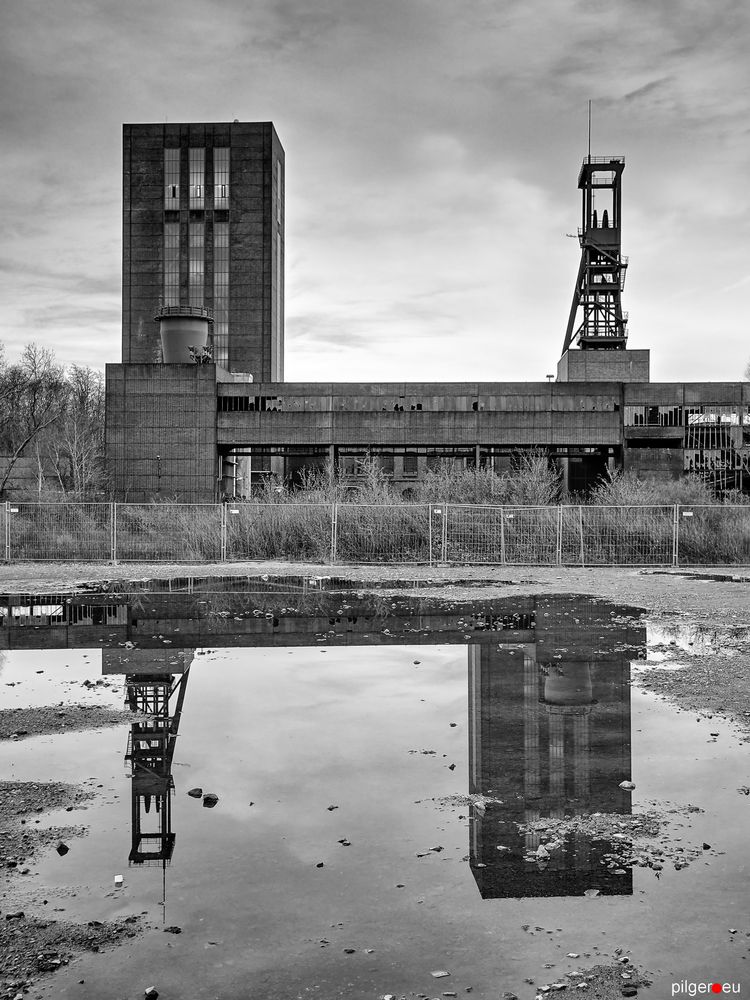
<point x="656" y="535"/>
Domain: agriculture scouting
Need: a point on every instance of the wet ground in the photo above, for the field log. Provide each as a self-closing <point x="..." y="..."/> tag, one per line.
<point x="406" y="784"/>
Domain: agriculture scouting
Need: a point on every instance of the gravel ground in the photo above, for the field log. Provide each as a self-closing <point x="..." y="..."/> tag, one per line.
<point x="23" y="723"/>
<point x="30" y="945"/>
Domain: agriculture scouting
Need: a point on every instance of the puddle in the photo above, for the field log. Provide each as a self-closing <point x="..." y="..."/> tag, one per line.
<point x="387" y="770"/>
<point x="272" y="582"/>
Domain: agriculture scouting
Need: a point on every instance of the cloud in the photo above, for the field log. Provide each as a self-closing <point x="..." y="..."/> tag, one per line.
<point x="432" y="157"/>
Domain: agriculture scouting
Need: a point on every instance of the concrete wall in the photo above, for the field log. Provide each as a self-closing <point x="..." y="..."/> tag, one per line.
<point x="603" y="366"/>
<point x="421" y="414"/>
<point x="167" y="411"/>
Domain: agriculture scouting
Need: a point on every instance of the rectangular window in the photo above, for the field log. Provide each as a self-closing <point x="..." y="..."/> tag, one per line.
<point x="196" y="255"/>
<point x="221" y="177"/>
<point x="197" y="159"/>
<point x="221" y="293"/>
<point x="171" y="263"/>
<point x="171" y="178"/>
<point x="279" y="191"/>
<point x="278" y="333"/>
<point x="410" y="464"/>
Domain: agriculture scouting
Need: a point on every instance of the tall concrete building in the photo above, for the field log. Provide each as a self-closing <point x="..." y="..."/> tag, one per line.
<point x="203" y="234"/>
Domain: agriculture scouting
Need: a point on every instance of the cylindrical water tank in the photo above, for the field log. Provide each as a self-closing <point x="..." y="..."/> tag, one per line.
<point x="180" y="328"/>
<point x="569" y="684"/>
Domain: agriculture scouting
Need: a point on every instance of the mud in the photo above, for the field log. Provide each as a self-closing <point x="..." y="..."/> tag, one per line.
<point x="32" y="946"/>
<point x="23" y="723"/>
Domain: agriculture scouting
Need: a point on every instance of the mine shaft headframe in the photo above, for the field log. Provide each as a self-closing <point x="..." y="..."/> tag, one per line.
<point x="596" y="318"/>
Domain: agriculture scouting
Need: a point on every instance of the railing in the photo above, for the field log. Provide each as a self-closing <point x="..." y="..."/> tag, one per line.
<point x="655" y="535"/>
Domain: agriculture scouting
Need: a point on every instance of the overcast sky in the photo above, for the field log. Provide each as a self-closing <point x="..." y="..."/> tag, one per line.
<point x="432" y="151"/>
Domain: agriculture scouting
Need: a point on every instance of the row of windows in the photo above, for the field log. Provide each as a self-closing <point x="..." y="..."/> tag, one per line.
<point x="435" y="404"/>
<point x="196" y="178"/>
<point x="677" y="416"/>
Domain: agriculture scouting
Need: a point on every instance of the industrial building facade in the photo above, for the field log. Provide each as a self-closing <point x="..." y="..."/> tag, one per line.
<point x="203" y="226"/>
<point x="203" y="245"/>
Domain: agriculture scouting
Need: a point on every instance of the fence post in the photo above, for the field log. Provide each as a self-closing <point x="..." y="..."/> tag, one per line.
<point x="429" y="530"/>
<point x="113" y="532"/>
<point x="445" y="534"/>
<point x="558" y="553"/>
<point x="676" y="536"/>
<point x="334" y="530"/>
<point x="502" y="536"/>
<point x="7" y="531"/>
<point x="580" y="530"/>
<point x="223" y="542"/>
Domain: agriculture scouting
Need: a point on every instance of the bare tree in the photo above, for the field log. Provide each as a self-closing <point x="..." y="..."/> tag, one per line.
<point x="75" y="445"/>
<point x="33" y="394"/>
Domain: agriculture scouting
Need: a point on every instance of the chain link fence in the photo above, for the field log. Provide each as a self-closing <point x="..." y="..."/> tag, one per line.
<point x="382" y="533"/>
<point x="657" y="535"/>
<point x="167" y="532"/>
<point x="301" y="532"/>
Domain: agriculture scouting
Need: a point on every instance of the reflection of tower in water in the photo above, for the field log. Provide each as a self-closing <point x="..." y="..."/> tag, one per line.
<point x="549" y="722"/>
<point x="155" y="682"/>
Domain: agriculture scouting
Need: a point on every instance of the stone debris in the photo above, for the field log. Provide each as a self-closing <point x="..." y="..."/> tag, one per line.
<point x="439" y="974"/>
<point x="633" y="838"/>
<point x="210" y="800"/>
<point x="195" y="793"/>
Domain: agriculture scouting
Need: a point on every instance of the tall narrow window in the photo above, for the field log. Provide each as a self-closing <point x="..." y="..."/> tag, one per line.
<point x="171" y="178"/>
<point x="279" y="190"/>
<point x="277" y="358"/>
<point x="195" y="263"/>
<point x="197" y="169"/>
<point x="221" y="177"/>
<point x="221" y="294"/>
<point x="171" y="263"/>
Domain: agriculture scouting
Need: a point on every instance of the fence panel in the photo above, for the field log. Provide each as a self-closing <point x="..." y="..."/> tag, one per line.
<point x="180" y="532"/>
<point x="294" y="531"/>
<point x="59" y="531"/>
<point x="713" y="535"/>
<point x="384" y="533"/>
<point x="531" y="535"/>
<point x="475" y="534"/>
<point x="4" y="538"/>
<point x="500" y="535"/>
<point x="625" y="536"/>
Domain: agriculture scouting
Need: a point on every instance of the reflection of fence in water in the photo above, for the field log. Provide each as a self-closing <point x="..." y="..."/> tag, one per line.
<point x="387" y="533"/>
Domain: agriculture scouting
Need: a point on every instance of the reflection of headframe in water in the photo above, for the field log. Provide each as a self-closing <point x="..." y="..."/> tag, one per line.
<point x="155" y="682"/>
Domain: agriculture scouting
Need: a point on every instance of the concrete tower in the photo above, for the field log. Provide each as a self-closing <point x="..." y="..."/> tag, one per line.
<point x="203" y="236"/>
